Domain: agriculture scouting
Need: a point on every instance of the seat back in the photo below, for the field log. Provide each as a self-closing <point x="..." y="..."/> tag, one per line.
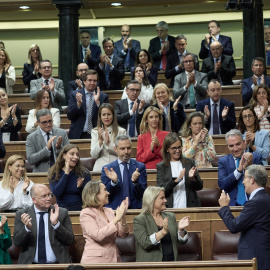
<point x="88" y="163"/>
<point x="209" y="197"/>
<point x="127" y="248"/>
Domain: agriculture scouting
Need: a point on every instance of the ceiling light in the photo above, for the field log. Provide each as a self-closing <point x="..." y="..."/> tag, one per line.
<point x="116" y="4"/>
<point x="24" y="7"/>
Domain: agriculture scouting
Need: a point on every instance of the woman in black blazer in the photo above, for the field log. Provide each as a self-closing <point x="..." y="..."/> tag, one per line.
<point x="178" y="175"/>
<point x="31" y="68"/>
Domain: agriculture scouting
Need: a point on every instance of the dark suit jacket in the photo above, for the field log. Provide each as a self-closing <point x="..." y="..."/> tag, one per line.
<point x="2" y="148"/>
<point x="164" y="179"/>
<point x="123" y="116"/>
<point x="59" y="238"/>
<point x="95" y="54"/>
<point x="226" y="178"/>
<point x="247" y="91"/>
<point x="72" y="86"/>
<point x="78" y="115"/>
<point x="227" y="70"/>
<point x="178" y="118"/>
<point x="230" y="121"/>
<point x="116" y="75"/>
<point x="172" y="62"/>
<point x="118" y="47"/>
<point x="155" y="47"/>
<point x="144" y="225"/>
<point x="135" y="190"/>
<point x="226" y="43"/>
<point x="28" y="75"/>
<point x="254" y="225"/>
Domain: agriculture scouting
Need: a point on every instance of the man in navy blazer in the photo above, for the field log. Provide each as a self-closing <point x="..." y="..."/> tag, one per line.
<point x="111" y="68"/>
<point x="156" y="50"/>
<point x="214" y="35"/>
<point x="174" y="67"/>
<point x="113" y="176"/>
<point x="254" y="220"/>
<point x="248" y="85"/>
<point x="230" y="177"/>
<point x="127" y="48"/>
<point x="89" y="53"/>
<point x="78" y="112"/>
<point x="225" y="109"/>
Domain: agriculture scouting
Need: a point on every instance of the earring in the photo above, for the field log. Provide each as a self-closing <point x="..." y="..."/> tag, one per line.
<point x="10" y="173"/>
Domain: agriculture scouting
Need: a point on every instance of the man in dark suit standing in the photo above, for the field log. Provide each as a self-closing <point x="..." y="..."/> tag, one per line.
<point x="174" y="66"/>
<point x="219" y="113"/>
<point x="89" y="53"/>
<point x="231" y="167"/>
<point x="124" y="177"/>
<point x="129" y="111"/>
<point x="219" y="66"/>
<point x="83" y="107"/>
<point x="78" y="83"/>
<point x="162" y="46"/>
<point x="127" y="48"/>
<point x="254" y="220"/>
<point x="248" y="85"/>
<point x="43" y="231"/>
<point x="214" y="35"/>
<point x="111" y="68"/>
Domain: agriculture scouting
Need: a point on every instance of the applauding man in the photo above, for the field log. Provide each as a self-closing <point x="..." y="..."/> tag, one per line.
<point x="83" y="107"/>
<point x="124" y="177"/>
<point x="43" y="231"/>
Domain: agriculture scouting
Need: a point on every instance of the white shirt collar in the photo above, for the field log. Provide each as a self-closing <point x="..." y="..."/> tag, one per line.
<point x="252" y="194"/>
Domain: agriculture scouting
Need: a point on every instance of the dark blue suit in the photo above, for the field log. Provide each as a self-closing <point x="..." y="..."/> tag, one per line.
<point x="254" y="225"/>
<point x="226" y="178"/>
<point x="78" y="116"/>
<point x="230" y="121"/>
<point x="95" y="54"/>
<point x="247" y="91"/>
<point x="118" y="47"/>
<point x="28" y="75"/>
<point x="226" y="43"/>
<point x="135" y="190"/>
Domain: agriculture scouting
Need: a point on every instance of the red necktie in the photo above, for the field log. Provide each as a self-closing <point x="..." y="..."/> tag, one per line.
<point x="164" y="57"/>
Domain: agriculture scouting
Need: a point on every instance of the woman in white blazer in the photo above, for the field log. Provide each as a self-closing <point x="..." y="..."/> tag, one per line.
<point x="103" y="137"/>
<point x="42" y="101"/>
<point x="7" y="72"/>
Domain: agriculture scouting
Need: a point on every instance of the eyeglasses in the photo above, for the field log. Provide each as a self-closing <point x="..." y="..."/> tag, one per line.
<point x="47" y="67"/>
<point x="160" y="31"/>
<point x="188" y="61"/>
<point x="174" y="149"/>
<point x="82" y="70"/>
<point x="46" y="122"/>
<point x="134" y="90"/>
<point x="43" y="197"/>
<point x="34" y="50"/>
<point x="248" y="116"/>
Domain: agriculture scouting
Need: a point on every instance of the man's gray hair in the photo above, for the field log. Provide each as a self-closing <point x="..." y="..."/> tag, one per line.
<point x="43" y="112"/>
<point x="162" y="24"/>
<point x="259" y="173"/>
<point x="266" y="26"/>
<point x="122" y="138"/>
<point x="233" y="132"/>
<point x="181" y="37"/>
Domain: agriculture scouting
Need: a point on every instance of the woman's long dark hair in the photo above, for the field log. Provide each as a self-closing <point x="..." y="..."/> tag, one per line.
<point x="242" y="126"/>
<point x="145" y="80"/>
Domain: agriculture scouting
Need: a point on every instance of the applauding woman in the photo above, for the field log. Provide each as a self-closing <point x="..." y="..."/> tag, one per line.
<point x="257" y="140"/>
<point x="156" y="232"/>
<point x="31" y="68"/>
<point x="100" y="226"/>
<point x="15" y="185"/>
<point x="178" y="175"/>
<point x="5" y="241"/>
<point x="173" y="112"/>
<point x="103" y="136"/>
<point x="197" y="143"/>
<point x="10" y="118"/>
<point x="67" y="178"/>
<point x="151" y="139"/>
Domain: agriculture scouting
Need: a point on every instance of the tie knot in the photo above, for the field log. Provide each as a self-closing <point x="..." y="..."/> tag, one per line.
<point x="124" y="164"/>
<point x="41" y="213"/>
<point x="46" y="82"/>
<point x="215" y="104"/>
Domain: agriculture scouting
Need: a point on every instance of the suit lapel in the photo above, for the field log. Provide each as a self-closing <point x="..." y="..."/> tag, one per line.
<point x="231" y="163"/>
<point x="153" y="226"/>
<point x="32" y="215"/>
<point x="40" y="139"/>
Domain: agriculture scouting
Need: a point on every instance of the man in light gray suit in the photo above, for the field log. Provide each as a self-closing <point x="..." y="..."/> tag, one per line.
<point x="191" y="85"/>
<point x="44" y="145"/>
<point x="43" y="231"/>
<point x="54" y="86"/>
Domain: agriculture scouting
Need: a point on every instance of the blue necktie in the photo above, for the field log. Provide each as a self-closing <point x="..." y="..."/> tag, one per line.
<point x="41" y="240"/>
<point x="107" y="73"/>
<point x="191" y="96"/>
<point x="215" y="120"/>
<point x="125" y="182"/>
<point x="52" y="155"/>
<point x="127" y="59"/>
<point x="132" y="122"/>
<point x="259" y="80"/>
<point x="241" y="194"/>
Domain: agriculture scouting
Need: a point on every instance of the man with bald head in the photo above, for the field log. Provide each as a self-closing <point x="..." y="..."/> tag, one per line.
<point x="219" y="66"/>
<point x="43" y="231"/>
